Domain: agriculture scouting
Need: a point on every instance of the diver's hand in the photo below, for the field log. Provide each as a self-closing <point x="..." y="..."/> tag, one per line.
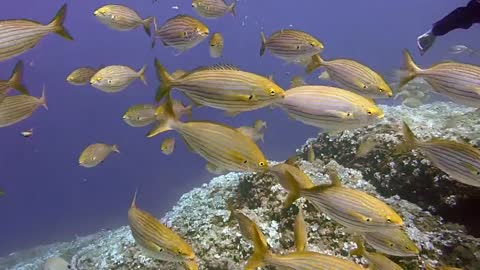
<point x="425" y="41"/>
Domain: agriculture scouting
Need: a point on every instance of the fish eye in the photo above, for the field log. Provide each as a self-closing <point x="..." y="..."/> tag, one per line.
<point x="109" y="81"/>
<point x="391" y="244"/>
<point x="368" y="219"/>
<point x="313" y="44"/>
<point x="381" y="89"/>
<point x="261" y="163"/>
<point x="298" y="47"/>
<point x="389" y="220"/>
<point x="272" y="92"/>
<point x="185" y="34"/>
<point x="407" y="247"/>
<point x="369" y="112"/>
<point x="245" y="162"/>
<point x="212" y="45"/>
<point x="250" y="97"/>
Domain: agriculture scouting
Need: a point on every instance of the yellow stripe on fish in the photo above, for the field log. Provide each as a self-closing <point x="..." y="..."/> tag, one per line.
<point x="376" y="260"/>
<point x="122" y="18"/>
<point x="216" y="45"/>
<point x="211" y="9"/>
<point x="14" y="109"/>
<point x="116" y="78"/>
<point x="81" y="76"/>
<point x="95" y="154"/>
<point x="393" y="242"/>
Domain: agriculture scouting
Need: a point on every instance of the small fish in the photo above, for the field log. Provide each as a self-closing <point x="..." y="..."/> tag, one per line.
<point x="14" y="82"/>
<point x="259" y="125"/>
<point x="95" y="154"/>
<point x="255" y="133"/>
<point x="376" y="260"/>
<point x="168" y="145"/>
<point x="179" y="110"/>
<point x="353" y="76"/>
<point x="56" y="263"/>
<point x="297" y="81"/>
<point x="222" y="87"/>
<point x="330" y="108"/>
<point x="211" y="9"/>
<point x="393" y="242"/>
<point x="286" y="173"/>
<point x="181" y="32"/>
<point x="457" y="81"/>
<point x="461" y="161"/>
<point x="300" y="232"/>
<point x="115" y="78"/>
<point x="140" y="115"/>
<point x="310" y="154"/>
<point x="366" y="147"/>
<point x="27" y="134"/>
<point x="157" y="240"/>
<point x="19" y="36"/>
<point x="216" y="45"/>
<point x="342" y="205"/>
<point x="222" y="146"/>
<point x="14" y="109"/>
<point x="81" y="76"/>
<point x="122" y="18"/>
<point x="459" y="49"/>
<point x="291" y="45"/>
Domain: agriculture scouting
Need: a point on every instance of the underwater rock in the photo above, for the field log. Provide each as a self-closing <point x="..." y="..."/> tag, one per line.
<point x="201" y="216"/>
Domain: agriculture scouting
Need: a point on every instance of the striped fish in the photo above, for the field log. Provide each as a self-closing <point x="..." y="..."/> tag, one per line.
<point x="330" y="108"/>
<point x="181" y="32"/>
<point x="140" y="115"/>
<point x="353" y="76"/>
<point x="351" y="208"/>
<point x="248" y="228"/>
<point x="222" y="87"/>
<point x="221" y="146"/>
<point x="459" y="82"/>
<point x="393" y="242"/>
<point x="304" y="260"/>
<point x="285" y="173"/>
<point x="300" y="232"/>
<point x="19" y="36"/>
<point x="81" y="76"/>
<point x="95" y="154"/>
<point x="121" y="18"/>
<point x="115" y="78"/>
<point x="291" y="45"/>
<point x="14" y="82"/>
<point x="216" y="45"/>
<point x="167" y="146"/>
<point x="157" y="240"/>
<point x="14" y="109"/>
<point x="461" y="161"/>
<point x="211" y="9"/>
<point x="376" y="260"/>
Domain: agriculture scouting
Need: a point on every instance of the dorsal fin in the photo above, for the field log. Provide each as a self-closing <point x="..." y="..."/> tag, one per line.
<point x="179" y="16"/>
<point x="333" y="174"/>
<point x="217" y="67"/>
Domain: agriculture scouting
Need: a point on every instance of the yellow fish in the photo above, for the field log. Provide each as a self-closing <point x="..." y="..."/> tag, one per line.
<point x="211" y="9"/>
<point x="393" y="242"/>
<point x="376" y="260"/>
<point x="95" y="154"/>
<point x="122" y="18"/>
<point x="300" y="232"/>
<point x="216" y="45"/>
<point x="286" y="173"/>
<point x="140" y="115"/>
<point x="81" y="76"/>
<point x="115" y="78"/>
<point x="14" y="109"/>
<point x="168" y="145"/>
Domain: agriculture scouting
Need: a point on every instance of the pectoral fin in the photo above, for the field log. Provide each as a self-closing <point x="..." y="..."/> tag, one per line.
<point x="360" y="84"/>
<point x="471" y="168"/>
<point x="361" y="217"/>
<point x="340" y="114"/>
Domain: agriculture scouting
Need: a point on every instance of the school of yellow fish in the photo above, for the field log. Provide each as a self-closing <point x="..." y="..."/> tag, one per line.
<point x="227" y="149"/>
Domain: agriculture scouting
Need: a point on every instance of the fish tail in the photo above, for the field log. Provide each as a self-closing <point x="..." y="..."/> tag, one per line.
<point x="264" y="41"/>
<point x="165" y="81"/>
<point x="188" y="110"/>
<point x="293" y="191"/>
<point x="115" y="148"/>
<point x="231" y="8"/>
<point x="260" y="251"/>
<point x="155" y="29"/>
<point x="411" y="69"/>
<point x="15" y="80"/>
<point x="141" y="73"/>
<point x="43" y="99"/>
<point x="146" y="25"/>
<point x="360" y="250"/>
<point x="410" y="141"/>
<point x="316" y="62"/>
<point x="165" y="124"/>
<point x="57" y="23"/>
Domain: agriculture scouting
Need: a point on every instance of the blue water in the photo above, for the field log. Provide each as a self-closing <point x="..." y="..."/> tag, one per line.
<point x="50" y="198"/>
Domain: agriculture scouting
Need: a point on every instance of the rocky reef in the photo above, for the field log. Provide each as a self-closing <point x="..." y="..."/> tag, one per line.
<point x="438" y="213"/>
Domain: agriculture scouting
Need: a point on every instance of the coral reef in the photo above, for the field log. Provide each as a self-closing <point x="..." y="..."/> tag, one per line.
<point x="408" y="183"/>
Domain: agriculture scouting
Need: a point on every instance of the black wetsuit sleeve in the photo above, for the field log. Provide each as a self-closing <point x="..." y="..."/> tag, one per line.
<point x="462" y="17"/>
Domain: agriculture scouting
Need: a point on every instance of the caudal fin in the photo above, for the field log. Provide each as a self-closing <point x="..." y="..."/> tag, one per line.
<point x="260" y="250"/>
<point x="43" y="99"/>
<point x="57" y="23"/>
<point x="166" y="123"/>
<point x="360" y="250"/>
<point x="264" y="41"/>
<point x="115" y="148"/>
<point x="410" y="67"/>
<point x="165" y="81"/>
<point x="231" y="8"/>
<point x="146" y="25"/>
<point x="141" y="74"/>
<point x="315" y="63"/>
<point x="409" y="143"/>
<point x="15" y="80"/>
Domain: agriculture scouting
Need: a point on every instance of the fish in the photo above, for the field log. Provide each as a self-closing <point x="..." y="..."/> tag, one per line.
<point x="256" y="132"/>
<point x="393" y="242"/>
<point x="354" y="209"/>
<point x="14" y="82"/>
<point x="20" y="35"/>
<point x="223" y="87"/>
<point x="353" y="76"/>
<point x="56" y="263"/>
<point x="211" y="9"/>
<point x="168" y="145"/>
<point x="140" y="115"/>
<point x="304" y="260"/>
<point x="376" y="260"/>
<point x="14" y="109"/>
<point x="285" y="173"/>
<point x="460" y="160"/>
<point x="259" y="125"/>
<point x="310" y="154"/>
<point x="179" y="110"/>
<point x="300" y="232"/>
<point x="27" y="133"/>
<point x="157" y="240"/>
<point x="457" y="81"/>
<point x="297" y="81"/>
<point x="292" y="46"/>
<point x="95" y="154"/>
<point x="222" y="146"/>
<point x="330" y="108"/>
<point x="122" y="18"/>
<point x="181" y="32"/>
<point x="81" y="76"/>
<point x="216" y="45"/>
<point x="116" y="78"/>
<point x="366" y="147"/>
<point x="459" y="49"/>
